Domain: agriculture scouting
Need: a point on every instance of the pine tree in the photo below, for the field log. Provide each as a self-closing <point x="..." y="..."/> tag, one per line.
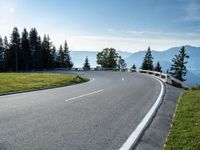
<point x="86" y="65"/>
<point x="148" y="61"/>
<point x="5" y="43"/>
<point x="60" y="57"/>
<point x="158" y="68"/>
<point x="67" y="58"/>
<point x="133" y="67"/>
<point x="14" y="49"/>
<point x="45" y="51"/>
<point x="48" y="51"/>
<point x="33" y="37"/>
<point x="2" y="51"/>
<point x="30" y="52"/>
<point x="53" y="57"/>
<point x="25" y="48"/>
<point x="38" y="54"/>
<point x="7" y="53"/>
<point x="178" y="68"/>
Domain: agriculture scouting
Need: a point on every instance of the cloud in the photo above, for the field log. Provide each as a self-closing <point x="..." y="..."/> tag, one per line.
<point x="126" y="43"/>
<point x="4" y="26"/>
<point x="161" y="34"/>
<point x="135" y="33"/>
<point x="129" y="40"/>
<point x="143" y="33"/>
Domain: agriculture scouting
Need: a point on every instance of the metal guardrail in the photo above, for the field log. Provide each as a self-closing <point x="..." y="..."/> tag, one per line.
<point x="166" y="78"/>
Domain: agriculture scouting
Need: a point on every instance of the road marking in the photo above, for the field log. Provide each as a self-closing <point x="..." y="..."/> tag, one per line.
<point x="92" y="80"/>
<point x="133" y="138"/>
<point x="95" y="92"/>
<point x="122" y="78"/>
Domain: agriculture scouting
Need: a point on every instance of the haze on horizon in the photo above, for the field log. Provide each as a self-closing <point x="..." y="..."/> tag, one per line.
<point x="92" y="25"/>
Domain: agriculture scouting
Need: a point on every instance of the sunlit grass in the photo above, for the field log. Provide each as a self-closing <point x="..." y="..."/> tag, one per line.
<point x="185" y="132"/>
<point x="12" y="82"/>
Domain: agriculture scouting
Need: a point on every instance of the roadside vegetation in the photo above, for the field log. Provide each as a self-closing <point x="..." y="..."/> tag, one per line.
<point x="29" y="51"/>
<point x="185" y="132"/>
<point x="15" y="82"/>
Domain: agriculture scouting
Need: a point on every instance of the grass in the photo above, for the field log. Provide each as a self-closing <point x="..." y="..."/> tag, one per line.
<point x="185" y="132"/>
<point x="197" y="87"/>
<point x="17" y="82"/>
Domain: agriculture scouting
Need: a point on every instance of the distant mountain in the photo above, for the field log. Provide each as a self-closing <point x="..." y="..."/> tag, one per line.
<point x="78" y="57"/>
<point x="124" y="54"/>
<point x="164" y="57"/>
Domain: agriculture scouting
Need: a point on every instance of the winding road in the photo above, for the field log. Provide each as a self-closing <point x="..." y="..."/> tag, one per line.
<point x="97" y="115"/>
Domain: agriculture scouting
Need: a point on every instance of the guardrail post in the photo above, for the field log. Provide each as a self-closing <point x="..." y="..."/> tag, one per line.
<point x="167" y="79"/>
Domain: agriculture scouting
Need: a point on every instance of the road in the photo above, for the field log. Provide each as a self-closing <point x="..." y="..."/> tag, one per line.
<point x="99" y="114"/>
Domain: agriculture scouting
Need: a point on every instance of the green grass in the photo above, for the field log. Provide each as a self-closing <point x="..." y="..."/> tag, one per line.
<point x="15" y="82"/>
<point x="197" y="87"/>
<point x="185" y="132"/>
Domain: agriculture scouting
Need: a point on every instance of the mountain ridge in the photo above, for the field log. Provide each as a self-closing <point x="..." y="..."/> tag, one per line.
<point x="164" y="57"/>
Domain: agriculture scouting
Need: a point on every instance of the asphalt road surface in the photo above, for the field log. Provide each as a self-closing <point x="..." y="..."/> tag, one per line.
<point x="97" y="115"/>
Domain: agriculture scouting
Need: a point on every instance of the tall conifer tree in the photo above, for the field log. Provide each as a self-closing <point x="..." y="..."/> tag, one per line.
<point x="53" y="57"/>
<point x="2" y="51"/>
<point x="178" y="67"/>
<point x="14" y="49"/>
<point x="158" y="67"/>
<point x="86" y="65"/>
<point x="148" y="60"/>
<point x="25" y="48"/>
<point x="60" y="57"/>
<point x="67" y="58"/>
<point x="38" y="54"/>
<point x="33" y="36"/>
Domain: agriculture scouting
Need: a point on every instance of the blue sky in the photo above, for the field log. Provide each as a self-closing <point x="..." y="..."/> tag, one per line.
<point x="128" y="25"/>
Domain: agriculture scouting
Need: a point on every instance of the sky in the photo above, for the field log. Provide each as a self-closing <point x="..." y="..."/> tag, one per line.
<point x="126" y="25"/>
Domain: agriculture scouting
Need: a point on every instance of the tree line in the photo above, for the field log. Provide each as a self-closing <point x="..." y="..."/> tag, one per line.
<point x="28" y="51"/>
<point x="109" y="58"/>
<point x="178" y="65"/>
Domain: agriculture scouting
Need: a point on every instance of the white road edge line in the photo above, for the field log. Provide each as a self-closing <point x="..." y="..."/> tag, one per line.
<point x="95" y="92"/>
<point x="133" y="138"/>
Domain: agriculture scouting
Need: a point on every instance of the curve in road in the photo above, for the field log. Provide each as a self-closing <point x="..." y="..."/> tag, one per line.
<point x="100" y="114"/>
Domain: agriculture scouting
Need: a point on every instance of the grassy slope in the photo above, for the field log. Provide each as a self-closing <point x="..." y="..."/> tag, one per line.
<point x="12" y="82"/>
<point x="185" y="132"/>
